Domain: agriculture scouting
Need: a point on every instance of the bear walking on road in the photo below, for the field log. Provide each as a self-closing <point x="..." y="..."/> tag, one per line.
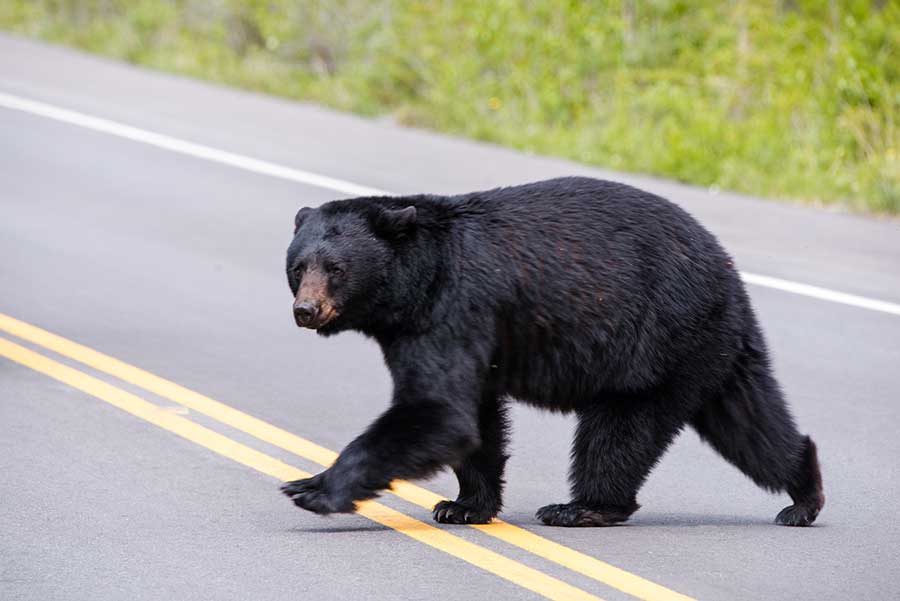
<point x="574" y="295"/>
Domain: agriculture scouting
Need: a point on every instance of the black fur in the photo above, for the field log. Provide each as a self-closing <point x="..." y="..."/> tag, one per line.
<point x="573" y="295"/>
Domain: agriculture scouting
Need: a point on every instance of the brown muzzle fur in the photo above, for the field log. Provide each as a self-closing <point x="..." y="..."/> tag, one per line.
<point x="313" y="305"/>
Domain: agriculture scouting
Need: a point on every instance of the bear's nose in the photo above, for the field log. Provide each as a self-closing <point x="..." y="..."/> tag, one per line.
<point x="305" y="313"/>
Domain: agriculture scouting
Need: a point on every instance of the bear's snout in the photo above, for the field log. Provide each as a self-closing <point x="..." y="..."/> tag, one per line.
<point x="305" y="313"/>
<point x="313" y="304"/>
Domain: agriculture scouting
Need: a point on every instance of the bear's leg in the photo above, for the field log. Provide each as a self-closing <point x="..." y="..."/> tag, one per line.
<point x="409" y="440"/>
<point x="751" y="426"/>
<point x="616" y="446"/>
<point x="480" y="474"/>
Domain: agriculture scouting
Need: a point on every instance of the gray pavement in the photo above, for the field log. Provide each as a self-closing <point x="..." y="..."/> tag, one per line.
<point x="174" y="264"/>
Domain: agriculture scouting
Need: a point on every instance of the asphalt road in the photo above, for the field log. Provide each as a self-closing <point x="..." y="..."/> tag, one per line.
<point x="173" y="264"/>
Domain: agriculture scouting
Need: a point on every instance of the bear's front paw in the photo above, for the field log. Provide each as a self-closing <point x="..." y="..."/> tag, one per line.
<point x="577" y="515"/>
<point x="314" y="494"/>
<point x="452" y="512"/>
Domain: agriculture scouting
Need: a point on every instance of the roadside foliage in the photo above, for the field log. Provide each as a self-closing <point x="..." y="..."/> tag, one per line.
<point x="792" y="99"/>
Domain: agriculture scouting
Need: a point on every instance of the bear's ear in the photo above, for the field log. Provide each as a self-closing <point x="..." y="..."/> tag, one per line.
<point x="299" y="217"/>
<point x="393" y="223"/>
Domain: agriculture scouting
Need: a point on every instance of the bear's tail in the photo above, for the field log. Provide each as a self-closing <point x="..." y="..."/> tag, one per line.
<point x="750" y="425"/>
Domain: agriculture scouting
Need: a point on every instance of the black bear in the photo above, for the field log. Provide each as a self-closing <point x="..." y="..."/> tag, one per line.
<point x="571" y="294"/>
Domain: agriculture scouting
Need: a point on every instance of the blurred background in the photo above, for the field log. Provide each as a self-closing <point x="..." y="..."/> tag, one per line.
<point x="788" y="99"/>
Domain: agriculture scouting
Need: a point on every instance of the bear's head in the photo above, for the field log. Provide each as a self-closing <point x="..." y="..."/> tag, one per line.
<point x="341" y="260"/>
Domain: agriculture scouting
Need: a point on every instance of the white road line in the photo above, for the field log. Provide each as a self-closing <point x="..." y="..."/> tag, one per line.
<point x="821" y="293"/>
<point x="209" y="153"/>
<point x="184" y="147"/>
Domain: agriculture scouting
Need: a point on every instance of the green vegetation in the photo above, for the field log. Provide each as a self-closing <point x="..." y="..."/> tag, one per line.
<point x="797" y="99"/>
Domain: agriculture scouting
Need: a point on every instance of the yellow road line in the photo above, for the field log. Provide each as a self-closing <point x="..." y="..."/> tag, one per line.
<point x="442" y="540"/>
<point x="560" y="554"/>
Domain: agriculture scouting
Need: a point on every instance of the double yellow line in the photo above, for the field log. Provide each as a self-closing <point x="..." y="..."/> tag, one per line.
<point x="516" y="572"/>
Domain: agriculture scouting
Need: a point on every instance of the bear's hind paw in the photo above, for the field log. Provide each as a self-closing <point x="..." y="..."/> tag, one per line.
<point x="577" y="515"/>
<point x="797" y="515"/>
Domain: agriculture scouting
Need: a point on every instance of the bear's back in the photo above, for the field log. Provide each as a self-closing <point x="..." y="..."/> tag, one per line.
<point x="592" y="278"/>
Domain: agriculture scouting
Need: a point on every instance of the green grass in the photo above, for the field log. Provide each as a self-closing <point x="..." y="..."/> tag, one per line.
<point x="792" y="99"/>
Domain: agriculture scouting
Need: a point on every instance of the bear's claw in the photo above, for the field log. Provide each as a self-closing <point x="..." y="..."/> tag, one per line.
<point x="451" y="512"/>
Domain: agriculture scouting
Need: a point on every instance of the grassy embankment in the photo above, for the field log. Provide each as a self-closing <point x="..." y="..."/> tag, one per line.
<point x="792" y="99"/>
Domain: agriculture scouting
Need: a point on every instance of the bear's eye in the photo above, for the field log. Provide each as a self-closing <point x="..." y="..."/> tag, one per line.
<point x="335" y="271"/>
